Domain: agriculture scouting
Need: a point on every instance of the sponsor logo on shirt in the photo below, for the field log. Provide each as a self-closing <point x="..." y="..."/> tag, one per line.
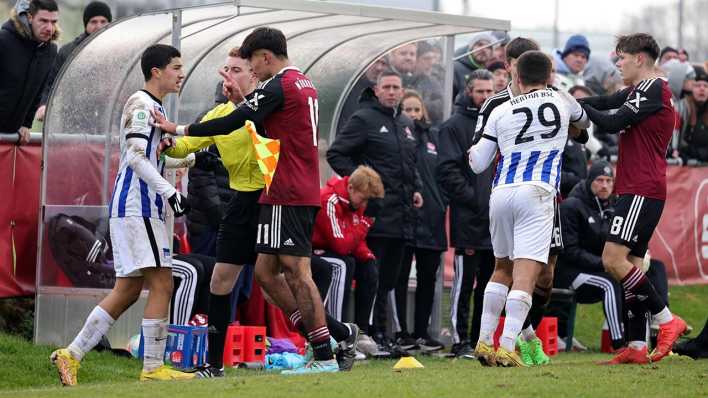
<point x="633" y="103"/>
<point x="288" y="242"/>
<point x="383" y="129"/>
<point x="591" y="220"/>
<point x="253" y="101"/>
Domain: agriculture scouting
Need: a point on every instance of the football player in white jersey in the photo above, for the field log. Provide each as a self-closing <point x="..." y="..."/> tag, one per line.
<point x="530" y="132"/>
<point x="141" y="249"/>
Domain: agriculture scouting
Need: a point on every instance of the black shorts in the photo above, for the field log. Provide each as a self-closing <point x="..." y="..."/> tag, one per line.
<point x="557" y="234"/>
<point x="286" y="230"/>
<point x="634" y="222"/>
<point x="236" y="241"/>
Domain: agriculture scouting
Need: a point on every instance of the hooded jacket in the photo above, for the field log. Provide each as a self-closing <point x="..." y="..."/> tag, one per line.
<point x="24" y="66"/>
<point x="430" y="226"/>
<point x="462" y="69"/>
<point x="467" y="192"/>
<point x="585" y="222"/>
<point x="338" y="227"/>
<point x="381" y="138"/>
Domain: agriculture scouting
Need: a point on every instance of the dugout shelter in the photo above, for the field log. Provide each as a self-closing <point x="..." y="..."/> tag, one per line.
<point x="332" y="43"/>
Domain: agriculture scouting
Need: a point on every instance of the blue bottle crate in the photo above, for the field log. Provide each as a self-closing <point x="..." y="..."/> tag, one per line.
<point x="186" y="346"/>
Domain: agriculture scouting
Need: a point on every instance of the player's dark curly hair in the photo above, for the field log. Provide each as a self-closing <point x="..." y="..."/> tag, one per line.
<point x="264" y="38"/>
<point x="534" y="68"/>
<point x="518" y="46"/>
<point x="638" y="43"/>
<point x="157" y="56"/>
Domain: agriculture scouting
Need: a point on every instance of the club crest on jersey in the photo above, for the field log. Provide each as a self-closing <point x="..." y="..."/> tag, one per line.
<point x="633" y="103"/>
<point x="253" y="102"/>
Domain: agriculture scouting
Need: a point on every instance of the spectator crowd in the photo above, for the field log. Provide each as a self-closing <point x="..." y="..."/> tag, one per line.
<point x="402" y="169"/>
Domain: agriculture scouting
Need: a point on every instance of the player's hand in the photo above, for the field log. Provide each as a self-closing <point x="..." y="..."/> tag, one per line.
<point x="166" y="143"/>
<point x="231" y="89"/>
<point x="25" y="136"/>
<point x="161" y="122"/>
<point x="417" y="200"/>
<point x="39" y="115"/>
<point x="179" y="204"/>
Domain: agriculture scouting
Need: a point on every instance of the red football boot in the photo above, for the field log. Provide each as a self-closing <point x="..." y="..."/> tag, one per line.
<point x="669" y="332"/>
<point x="629" y="355"/>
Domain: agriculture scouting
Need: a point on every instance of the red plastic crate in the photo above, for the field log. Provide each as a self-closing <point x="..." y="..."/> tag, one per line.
<point x="244" y="344"/>
<point x="547" y="332"/>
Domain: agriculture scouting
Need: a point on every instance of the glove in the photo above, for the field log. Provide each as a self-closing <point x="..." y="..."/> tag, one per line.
<point x="179" y="204"/>
<point x="206" y="160"/>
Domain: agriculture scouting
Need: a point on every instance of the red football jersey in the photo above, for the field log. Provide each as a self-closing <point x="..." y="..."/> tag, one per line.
<point x="297" y="177"/>
<point x="286" y="105"/>
<point x="641" y="167"/>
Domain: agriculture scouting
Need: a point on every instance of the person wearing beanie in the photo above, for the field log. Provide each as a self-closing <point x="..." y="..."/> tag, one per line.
<point x="97" y="14"/>
<point x="585" y="216"/>
<point x="571" y="61"/>
<point x="475" y="56"/>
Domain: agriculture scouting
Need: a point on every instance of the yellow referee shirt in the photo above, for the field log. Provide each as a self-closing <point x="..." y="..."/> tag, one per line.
<point x="236" y="149"/>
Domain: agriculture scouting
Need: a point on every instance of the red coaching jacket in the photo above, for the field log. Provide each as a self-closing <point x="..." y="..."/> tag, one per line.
<point x="339" y="228"/>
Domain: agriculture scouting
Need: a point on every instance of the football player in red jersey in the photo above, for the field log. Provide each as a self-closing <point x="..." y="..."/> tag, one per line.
<point x="285" y="104"/>
<point x="645" y="120"/>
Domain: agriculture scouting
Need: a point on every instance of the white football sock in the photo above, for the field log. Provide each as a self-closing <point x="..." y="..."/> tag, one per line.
<point x="155" y="335"/>
<point x="96" y="326"/>
<point x="637" y="344"/>
<point x="528" y="334"/>
<point x="663" y="316"/>
<point x="518" y="304"/>
<point x="492" y="306"/>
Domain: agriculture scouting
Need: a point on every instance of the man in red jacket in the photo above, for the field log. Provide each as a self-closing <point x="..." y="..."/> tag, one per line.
<point x="339" y="238"/>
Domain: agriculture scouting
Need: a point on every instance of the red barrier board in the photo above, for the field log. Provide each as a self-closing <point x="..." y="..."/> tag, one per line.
<point x="680" y="241"/>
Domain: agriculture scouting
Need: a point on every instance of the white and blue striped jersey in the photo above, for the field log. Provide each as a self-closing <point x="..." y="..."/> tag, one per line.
<point x="531" y="131"/>
<point x="134" y="196"/>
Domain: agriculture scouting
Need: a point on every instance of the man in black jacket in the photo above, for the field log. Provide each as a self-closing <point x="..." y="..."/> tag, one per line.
<point x="97" y="14"/>
<point x="585" y="218"/>
<point x="28" y="52"/>
<point x="379" y="136"/>
<point x="469" y="210"/>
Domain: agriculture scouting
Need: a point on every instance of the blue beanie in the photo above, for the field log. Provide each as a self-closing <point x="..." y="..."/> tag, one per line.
<point x="576" y="43"/>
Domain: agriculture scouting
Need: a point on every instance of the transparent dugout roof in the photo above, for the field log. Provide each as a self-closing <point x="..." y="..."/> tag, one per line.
<point x="332" y="43"/>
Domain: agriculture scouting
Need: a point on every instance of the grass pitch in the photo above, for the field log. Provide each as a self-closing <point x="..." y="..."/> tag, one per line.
<point x="25" y="372"/>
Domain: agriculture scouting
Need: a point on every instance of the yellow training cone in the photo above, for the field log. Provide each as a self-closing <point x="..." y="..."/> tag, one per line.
<point x="407" y="363"/>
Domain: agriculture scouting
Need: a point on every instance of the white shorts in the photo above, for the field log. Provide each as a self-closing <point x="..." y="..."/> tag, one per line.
<point x="521" y="222"/>
<point x="138" y="243"/>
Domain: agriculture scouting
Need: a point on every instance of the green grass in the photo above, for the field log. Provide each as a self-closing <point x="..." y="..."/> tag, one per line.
<point x="26" y="372"/>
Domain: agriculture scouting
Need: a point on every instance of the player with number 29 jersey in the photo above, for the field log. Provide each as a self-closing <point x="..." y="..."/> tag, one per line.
<point x="531" y="131"/>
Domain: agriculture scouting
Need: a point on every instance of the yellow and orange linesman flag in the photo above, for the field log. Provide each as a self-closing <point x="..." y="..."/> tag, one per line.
<point x="267" y="153"/>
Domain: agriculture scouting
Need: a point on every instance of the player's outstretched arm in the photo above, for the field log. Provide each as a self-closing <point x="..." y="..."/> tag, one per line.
<point x="606" y="102"/>
<point x="482" y="153"/>
<point x="645" y="100"/>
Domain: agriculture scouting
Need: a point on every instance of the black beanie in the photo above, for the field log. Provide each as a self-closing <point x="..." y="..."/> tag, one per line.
<point x="95" y="9"/>
<point x="600" y="168"/>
